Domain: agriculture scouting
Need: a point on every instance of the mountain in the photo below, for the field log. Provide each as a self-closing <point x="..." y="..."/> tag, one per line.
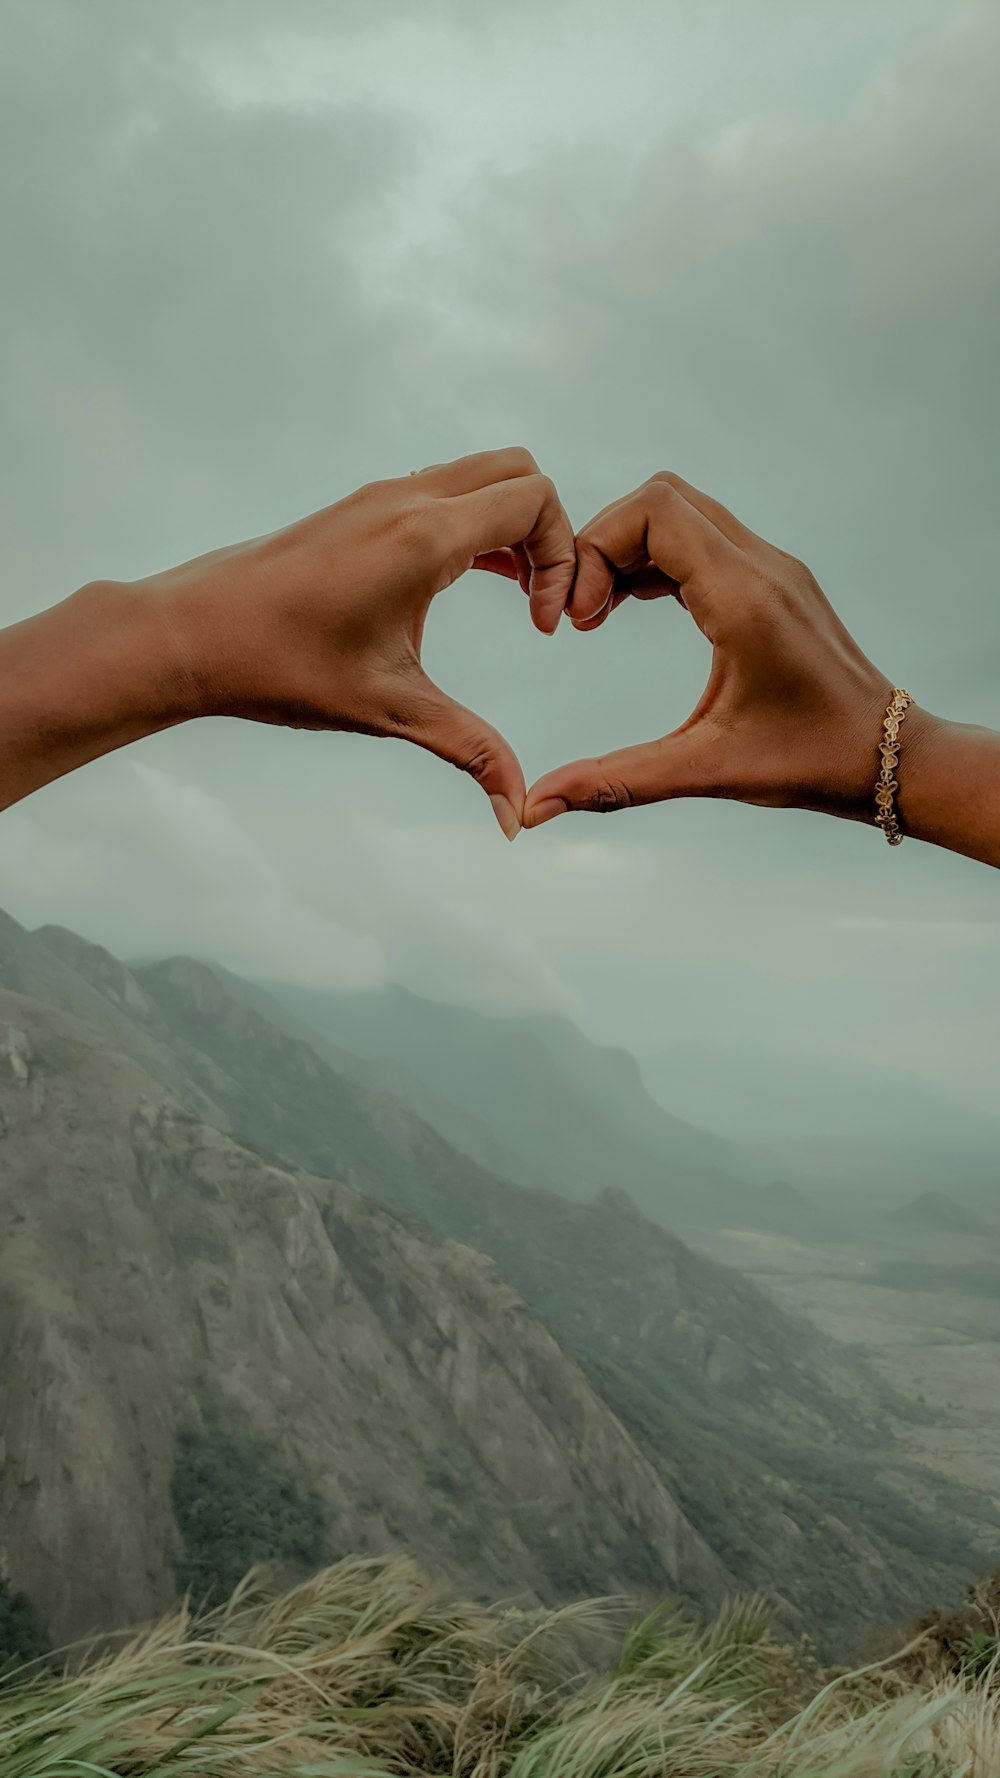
<point x="858" y="1180"/>
<point x="158" y="1280"/>
<point x="66" y="971"/>
<point x="936" y="1213"/>
<point x="780" y="1445"/>
<point x="858" y="1138"/>
<point x="533" y="1100"/>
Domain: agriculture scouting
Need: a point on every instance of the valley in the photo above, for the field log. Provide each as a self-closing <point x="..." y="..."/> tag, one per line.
<point x="924" y="1309"/>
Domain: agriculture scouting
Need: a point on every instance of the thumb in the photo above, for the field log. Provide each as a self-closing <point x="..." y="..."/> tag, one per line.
<point x="653" y="772"/>
<point x="459" y="736"/>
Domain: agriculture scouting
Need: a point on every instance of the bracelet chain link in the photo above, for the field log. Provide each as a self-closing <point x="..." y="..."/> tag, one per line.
<point x="887" y="785"/>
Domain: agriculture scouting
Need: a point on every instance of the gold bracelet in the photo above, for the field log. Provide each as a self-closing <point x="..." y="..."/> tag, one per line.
<point x="888" y="747"/>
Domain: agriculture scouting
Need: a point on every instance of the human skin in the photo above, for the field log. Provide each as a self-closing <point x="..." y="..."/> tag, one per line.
<point x="792" y="713"/>
<point x="320" y="626"/>
<point x="315" y="626"/>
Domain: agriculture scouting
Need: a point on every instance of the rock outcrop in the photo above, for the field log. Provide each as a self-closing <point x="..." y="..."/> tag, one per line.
<point x="149" y="1265"/>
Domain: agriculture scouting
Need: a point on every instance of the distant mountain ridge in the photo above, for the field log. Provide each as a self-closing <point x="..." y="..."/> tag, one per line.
<point x="535" y="1100"/>
<point x="937" y="1213"/>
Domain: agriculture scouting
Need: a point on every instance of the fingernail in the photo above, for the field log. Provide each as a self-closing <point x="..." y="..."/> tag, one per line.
<point x="547" y="618"/>
<point x="506" y="814"/>
<point x="549" y="807"/>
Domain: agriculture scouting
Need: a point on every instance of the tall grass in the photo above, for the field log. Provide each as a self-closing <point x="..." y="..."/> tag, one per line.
<point x="365" y="1670"/>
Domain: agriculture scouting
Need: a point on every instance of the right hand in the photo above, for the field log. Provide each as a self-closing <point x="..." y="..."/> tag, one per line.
<point x="791" y="713"/>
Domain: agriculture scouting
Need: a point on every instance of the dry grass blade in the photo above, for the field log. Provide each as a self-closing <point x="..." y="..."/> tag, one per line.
<point x="365" y="1671"/>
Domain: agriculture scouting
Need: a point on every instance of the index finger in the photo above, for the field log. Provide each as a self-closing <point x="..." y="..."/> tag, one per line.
<point x="477" y="470"/>
<point x="524" y="510"/>
<point x="655" y="526"/>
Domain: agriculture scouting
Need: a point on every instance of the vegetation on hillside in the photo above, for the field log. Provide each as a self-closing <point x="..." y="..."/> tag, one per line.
<point x="364" y="1670"/>
<point x="22" y="1633"/>
<point x="237" y="1505"/>
<point x="816" y="1509"/>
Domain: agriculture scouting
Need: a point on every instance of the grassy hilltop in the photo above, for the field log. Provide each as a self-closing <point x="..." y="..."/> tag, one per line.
<point x="365" y="1669"/>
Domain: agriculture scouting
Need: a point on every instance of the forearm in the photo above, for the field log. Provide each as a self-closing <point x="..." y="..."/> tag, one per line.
<point x="81" y="679"/>
<point x="949" y="785"/>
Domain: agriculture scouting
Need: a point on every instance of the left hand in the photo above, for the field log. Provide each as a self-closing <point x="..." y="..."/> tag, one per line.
<point x="320" y="625"/>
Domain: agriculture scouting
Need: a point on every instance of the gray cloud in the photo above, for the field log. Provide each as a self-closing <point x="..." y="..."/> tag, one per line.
<point x="803" y="319"/>
<point x="181" y="301"/>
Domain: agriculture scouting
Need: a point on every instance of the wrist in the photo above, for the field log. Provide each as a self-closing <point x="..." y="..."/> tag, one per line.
<point x="82" y="679"/>
<point x="846" y="756"/>
<point x="216" y="653"/>
<point x="138" y="680"/>
<point x="921" y="736"/>
<point x="949" y="787"/>
<point x="917" y="738"/>
<point x="948" y="774"/>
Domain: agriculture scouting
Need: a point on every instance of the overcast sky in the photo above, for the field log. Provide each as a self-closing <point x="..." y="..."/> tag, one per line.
<point x="256" y="252"/>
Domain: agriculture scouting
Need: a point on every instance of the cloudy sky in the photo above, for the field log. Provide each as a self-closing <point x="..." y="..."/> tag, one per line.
<point x="257" y="252"/>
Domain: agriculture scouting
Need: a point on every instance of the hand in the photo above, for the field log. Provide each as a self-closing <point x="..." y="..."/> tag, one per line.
<point x="791" y="713"/>
<point x="320" y="625"/>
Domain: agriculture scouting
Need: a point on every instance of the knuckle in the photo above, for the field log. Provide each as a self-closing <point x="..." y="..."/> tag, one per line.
<point x="418" y="525"/>
<point x="608" y="793"/>
<point x="786" y="573"/>
<point x="519" y="460"/>
<point x="803" y="575"/>
<point x="370" y="492"/>
<point x="545" y="488"/>
<point x="780" y="590"/>
<point x="477" y="759"/>
<point x="782" y="565"/>
<point x="662" y="496"/>
<point x="666" y="478"/>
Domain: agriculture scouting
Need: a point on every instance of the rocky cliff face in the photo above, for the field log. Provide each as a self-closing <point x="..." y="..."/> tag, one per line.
<point x="149" y="1264"/>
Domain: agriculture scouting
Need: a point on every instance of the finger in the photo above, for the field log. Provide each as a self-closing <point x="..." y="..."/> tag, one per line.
<point x="465" y="740"/>
<point x="601" y="617"/>
<point x="653" y="772"/>
<point x="583" y="607"/>
<point x="523" y="567"/>
<point x="525" y="511"/>
<point x="512" y="564"/>
<point x="498" y="561"/>
<point x="719" y="515"/>
<point x="657" y="527"/>
<point x="648" y="583"/>
<point x="639" y="583"/>
<point x="476" y="471"/>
